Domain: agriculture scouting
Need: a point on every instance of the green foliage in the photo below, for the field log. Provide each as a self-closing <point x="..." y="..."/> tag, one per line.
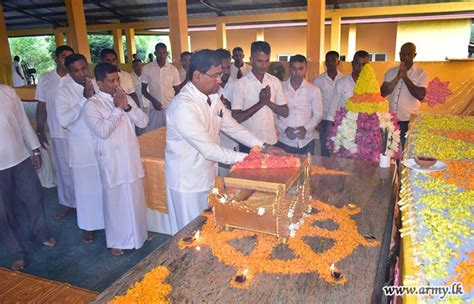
<point x="97" y="43"/>
<point x="36" y="51"/>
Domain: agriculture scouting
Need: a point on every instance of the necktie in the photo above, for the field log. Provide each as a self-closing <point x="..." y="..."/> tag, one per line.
<point x="239" y="74"/>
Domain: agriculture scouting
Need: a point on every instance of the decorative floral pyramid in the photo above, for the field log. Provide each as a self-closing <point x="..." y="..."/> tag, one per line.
<point x="365" y="128"/>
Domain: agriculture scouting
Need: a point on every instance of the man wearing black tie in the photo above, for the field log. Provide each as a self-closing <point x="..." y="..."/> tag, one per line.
<point x="239" y="69"/>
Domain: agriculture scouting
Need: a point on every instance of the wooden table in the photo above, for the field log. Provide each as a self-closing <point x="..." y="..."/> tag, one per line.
<point x="200" y="277"/>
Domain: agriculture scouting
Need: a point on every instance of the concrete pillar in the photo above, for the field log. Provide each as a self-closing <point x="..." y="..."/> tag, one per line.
<point x="315" y="37"/>
<point x="118" y="45"/>
<point x="5" y="55"/>
<point x="260" y="34"/>
<point x="221" y="35"/>
<point x="336" y="33"/>
<point x="131" y="48"/>
<point x="351" y="43"/>
<point x="178" y="22"/>
<point x="77" y="33"/>
<point x="59" y="38"/>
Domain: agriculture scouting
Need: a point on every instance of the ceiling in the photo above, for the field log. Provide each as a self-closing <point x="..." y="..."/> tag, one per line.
<point x="30" y="14"/>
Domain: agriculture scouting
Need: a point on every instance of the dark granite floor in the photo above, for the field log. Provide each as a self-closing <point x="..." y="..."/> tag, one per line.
<point x="71" y="261"/>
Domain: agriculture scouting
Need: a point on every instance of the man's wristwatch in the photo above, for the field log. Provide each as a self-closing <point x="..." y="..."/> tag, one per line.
<point x="264" y="146"/>
<point x="128" y="108"/>
<point x="36" y="152"/>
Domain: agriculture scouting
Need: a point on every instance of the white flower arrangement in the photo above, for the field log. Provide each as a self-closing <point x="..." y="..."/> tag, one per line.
<point x="346" y="132"/>
<point x="290" y="213"/>
<point x="261" y="211"/>
<point x="393" y="136"/>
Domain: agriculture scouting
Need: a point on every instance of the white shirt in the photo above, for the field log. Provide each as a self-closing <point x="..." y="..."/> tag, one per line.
<point x="234" y="70"/>
<point x="161" y="81"/>
<point x="305" y="109"/>
<point x="192" y="140"/>
<point x="343" y="90"/>
<point x="182" y="74"/>
<point x="247" y="93"/>
<point x="227" y="92"/>
<point x="70" y="102"/>
<point x="115" y="142"/>
<point x="17" y="81"/>
<point x="126" y="82"/>
<point x="16" y="133"/>
<point x="46" y="91"/>
<point x="327" y="86"/>
<point x="400" y="100"/>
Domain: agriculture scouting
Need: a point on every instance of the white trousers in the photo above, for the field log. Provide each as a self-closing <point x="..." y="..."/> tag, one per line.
<point x="186" y="206"/>
<point x="88" y="190"/>
<point x="125" y="216"/>
<point x="64" y="178"/>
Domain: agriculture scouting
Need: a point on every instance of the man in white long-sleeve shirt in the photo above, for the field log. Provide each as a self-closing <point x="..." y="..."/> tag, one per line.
<point x="296" y="131"/>
<point x="195" y="118"/>
<point x="345" y="86"/>
<point x="326" y="82"/>
<point x="111" y="115"/>
<point x="17" y="175"/>
<point x="46" y="91"/>
<point x="74" y="90"/>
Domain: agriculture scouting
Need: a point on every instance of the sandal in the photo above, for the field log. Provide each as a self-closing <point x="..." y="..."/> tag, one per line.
<point x="18" y="265"/>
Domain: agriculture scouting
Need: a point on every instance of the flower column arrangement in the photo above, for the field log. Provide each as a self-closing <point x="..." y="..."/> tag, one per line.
<point x="365" y="128"/>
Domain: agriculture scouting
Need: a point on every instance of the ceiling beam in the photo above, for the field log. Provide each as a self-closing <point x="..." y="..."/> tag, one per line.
<point x="401" y="10"/>
<point x="121" y="17"/>
<point x="22" y="11"/>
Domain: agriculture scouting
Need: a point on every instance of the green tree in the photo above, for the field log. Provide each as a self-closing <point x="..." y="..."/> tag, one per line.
<point x="97" y="43"/>
<point x="35" y="51"/>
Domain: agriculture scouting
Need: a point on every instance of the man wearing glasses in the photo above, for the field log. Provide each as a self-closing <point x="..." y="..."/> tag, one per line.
<point x="195" y="117"/>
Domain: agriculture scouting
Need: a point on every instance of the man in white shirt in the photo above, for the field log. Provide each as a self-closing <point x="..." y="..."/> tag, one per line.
<point x="111" y="115"/>
<point x="405" y="86"/>
<point x="46" y="92"/>
<point x="295" y="132"/>
<point x="185" y="59"/>
<point x="195" y="118"/>
<point x="258" y="97"/>
<point x="226" y="89"/>
<point x="73" y="93"/>
<point x="326" y="82"/>
<point x="126" y="81"/>
<point x="160" y="82"/>
<point x="18" y="76"/>
<point x="344" y="88"/>
<point x="239" y="69"/>
<point x="17" y="176"/>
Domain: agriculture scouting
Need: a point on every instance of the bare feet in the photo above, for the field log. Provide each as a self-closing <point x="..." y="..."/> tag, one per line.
<point x="62" y="212"/>
<point x="150" y="237"/>
<point x="117" y="252"/>
<point x="18" y="265"/>
<point x="50" y="242"/>
<point x="88" y="236"/>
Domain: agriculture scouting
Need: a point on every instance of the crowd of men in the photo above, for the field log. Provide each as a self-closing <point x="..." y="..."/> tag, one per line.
<point x="214" y="111"/>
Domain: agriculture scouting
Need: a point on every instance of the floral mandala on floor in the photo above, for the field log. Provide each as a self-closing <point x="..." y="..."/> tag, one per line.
<point x="152" y="289"/>
<point x="346" y="239"/>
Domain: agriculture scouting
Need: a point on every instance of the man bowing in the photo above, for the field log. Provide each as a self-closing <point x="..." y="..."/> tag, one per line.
<point x="195" y="118"/>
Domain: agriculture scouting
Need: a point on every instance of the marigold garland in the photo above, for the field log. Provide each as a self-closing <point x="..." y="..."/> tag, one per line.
<point x="346" y="236"/>
<point x="367" y="97"/>
<point x="151" y="289"/>
<point x="459" y="173"/>
<point x="465" y="272"/>
<point x="464" y="135"/>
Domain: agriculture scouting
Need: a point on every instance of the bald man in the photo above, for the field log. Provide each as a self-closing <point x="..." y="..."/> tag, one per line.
<point x="405" y="86"/>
